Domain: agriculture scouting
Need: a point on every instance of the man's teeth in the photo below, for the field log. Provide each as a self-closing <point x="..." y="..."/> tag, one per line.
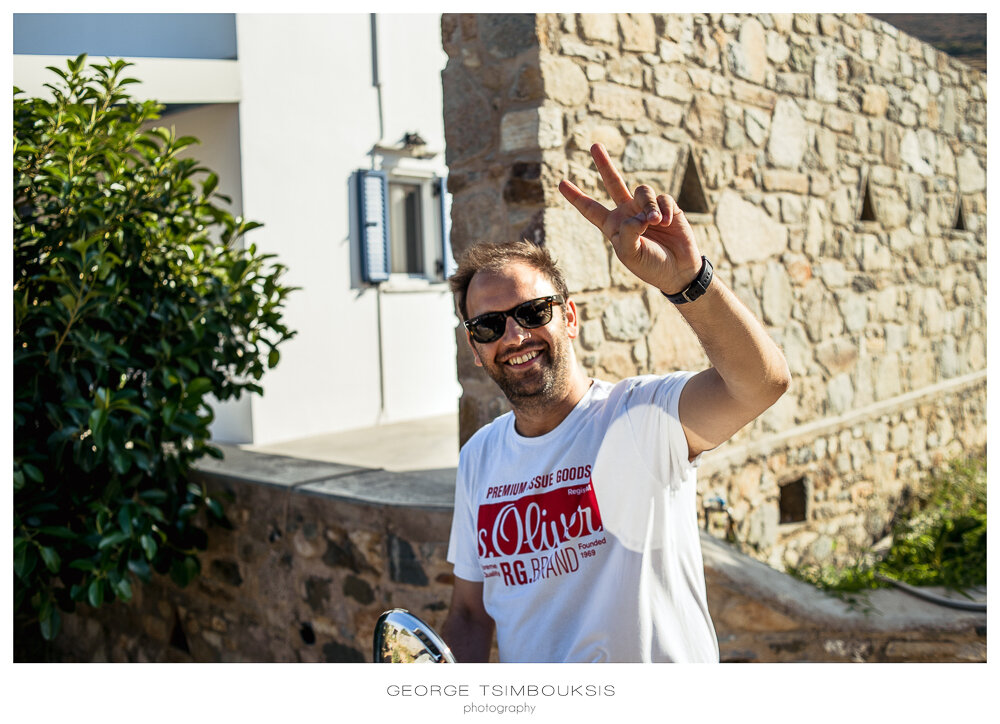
<point x="522" y="359"/>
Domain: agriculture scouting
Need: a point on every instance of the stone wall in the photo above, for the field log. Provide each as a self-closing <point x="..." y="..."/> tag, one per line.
<point x="834" y="171"/>
<point x="317" y="552"/>
<point x="313" y="559"/>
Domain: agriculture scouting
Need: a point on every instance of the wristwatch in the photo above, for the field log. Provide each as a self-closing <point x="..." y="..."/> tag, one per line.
<point x="696" y="288"/>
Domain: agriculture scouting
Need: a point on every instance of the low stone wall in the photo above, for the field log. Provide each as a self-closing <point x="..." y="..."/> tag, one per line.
<point x="318" y="551"/>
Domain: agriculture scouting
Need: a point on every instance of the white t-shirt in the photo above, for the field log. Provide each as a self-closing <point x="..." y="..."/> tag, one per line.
<point x="586" y="538"/>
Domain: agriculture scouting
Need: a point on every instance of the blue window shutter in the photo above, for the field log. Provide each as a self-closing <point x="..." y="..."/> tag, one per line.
<point x="444" y="198"/>
<point x="373" y="218"/>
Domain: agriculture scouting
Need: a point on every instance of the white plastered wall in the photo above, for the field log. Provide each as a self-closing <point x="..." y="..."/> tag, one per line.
<point x="308" y="118"/>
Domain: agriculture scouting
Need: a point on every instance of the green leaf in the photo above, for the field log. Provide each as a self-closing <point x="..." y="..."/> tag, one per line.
<point x="32" y="472"/>
<point x="112" y="540"/>
<point x="199" y="386"/>
<point x="125" y="519"/>
<point x="95" y="592"/>
<point x="51" y="559"/>
<point x="184" y="570"/>
<point x="214" y="506"/>
<point x="148" y="545"/>
<point x="123" y="590"/>
<point x="50" y="624"/>
<point x="154" y="496"/>
<point x="25" y="559"/>
<point x="140" y="568"/>
<point x="121" y="461"/>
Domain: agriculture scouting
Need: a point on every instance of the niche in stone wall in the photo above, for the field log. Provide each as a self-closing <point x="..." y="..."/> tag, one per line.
<point x="792" y="501"/>
<point x="959" y="224"/>
<point x="867" y="211"/>
<point x="691" y="197"/>
<point x="177" y="638"/>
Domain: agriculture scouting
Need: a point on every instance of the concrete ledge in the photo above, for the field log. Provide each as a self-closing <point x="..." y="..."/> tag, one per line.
<point x="892" y="610"/>
<point x="432" y="490"/>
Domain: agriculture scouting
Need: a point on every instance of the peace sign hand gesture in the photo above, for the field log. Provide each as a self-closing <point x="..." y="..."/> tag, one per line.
<point x="649" y="233"/>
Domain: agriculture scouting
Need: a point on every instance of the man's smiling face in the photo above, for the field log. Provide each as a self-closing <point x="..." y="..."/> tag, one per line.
<point x="531" y="366"/>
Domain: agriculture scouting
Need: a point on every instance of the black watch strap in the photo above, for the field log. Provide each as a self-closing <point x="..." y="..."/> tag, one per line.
<point x="696" y="288"/>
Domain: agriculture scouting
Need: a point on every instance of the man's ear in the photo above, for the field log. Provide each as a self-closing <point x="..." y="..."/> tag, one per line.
<point x="572" y="319"/>
<point x="475" y="352"/>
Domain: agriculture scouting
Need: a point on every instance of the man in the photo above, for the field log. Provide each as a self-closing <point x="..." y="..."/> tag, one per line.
<point x="575" y="531"/>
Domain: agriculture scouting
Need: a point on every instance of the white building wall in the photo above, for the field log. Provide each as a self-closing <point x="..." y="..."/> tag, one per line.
<point x="308" y="118"/>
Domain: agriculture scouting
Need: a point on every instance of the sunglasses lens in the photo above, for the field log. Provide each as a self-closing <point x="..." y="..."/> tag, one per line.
<point x="488" y="327"/>
<point x="536" y="313"/>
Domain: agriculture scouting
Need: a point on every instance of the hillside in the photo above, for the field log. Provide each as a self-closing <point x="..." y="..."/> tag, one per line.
<point x="960" y="35"/>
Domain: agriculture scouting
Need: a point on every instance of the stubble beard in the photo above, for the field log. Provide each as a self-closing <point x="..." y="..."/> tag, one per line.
<point x="546" y="384"/>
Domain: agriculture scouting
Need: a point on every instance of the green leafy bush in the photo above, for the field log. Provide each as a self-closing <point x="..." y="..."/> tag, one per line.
<point x="938" y="538"/>
<point x="133" y="302"/>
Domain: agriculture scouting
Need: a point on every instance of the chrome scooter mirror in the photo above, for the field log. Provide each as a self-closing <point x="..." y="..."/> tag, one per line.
<point x="402" y="638"/>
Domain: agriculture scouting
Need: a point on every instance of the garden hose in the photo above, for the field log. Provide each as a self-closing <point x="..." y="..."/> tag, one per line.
<point x="927" y="596"/>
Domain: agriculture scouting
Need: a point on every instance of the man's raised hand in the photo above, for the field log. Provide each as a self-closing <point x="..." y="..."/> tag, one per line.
<point x="649" y="233"/>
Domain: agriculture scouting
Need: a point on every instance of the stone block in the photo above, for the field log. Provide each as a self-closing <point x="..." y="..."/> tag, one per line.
<point x="789" y="137"/>
<point x="626" y="70"/>
<point x="404" y="567"/>
<point x="754" y="95"/>
<point x="875" y="101"/>
<point x="785" y="180"/>
<point x="638" y="32"/>
<point x="533" y="128"/>
<point x="614" y="362"/>
<point x="579" y="247"/>
<point x="971" y="175"/>
<point x="840" y="398"/>
<point x="776" y="47"/>
<point x="918" y="151"/>
<point x="776" y="293"/>
<point x="650" y="153"/>
<point x="565" y="82"/>
<point x="756" y="123"/>
<point x="626" y="318"/>
<point x="926" y="651"/>
<point x="673" y="83"/>
<point x="704" y="120"/>
<point x="504" y="35"/>
<point x="837" y="356"/>
<point x="748" y="233"/>
<point x="824" y="77"/>
<point x="602" y="27"/>
<point x="668" y="113"/>
<point x="616" y="102"/>
<point x="747" y="615"/>
<point x="747" y="58"/>
<point x="673" y="345"/>
<point x="587" y="134"/>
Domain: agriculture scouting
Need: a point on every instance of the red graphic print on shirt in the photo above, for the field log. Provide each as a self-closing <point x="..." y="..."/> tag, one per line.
<point x="538" y="523"/>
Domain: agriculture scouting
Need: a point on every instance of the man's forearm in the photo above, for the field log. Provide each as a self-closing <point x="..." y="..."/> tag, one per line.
<point x="748" y="374"/>
<point x="750" y="363"/>
<point x="468" y="638"/>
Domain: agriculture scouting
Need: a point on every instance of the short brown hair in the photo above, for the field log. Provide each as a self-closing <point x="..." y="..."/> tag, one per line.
<point x="492" y="256"/>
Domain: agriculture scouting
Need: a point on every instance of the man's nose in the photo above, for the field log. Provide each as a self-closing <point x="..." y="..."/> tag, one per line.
<point x="514" y="333"/>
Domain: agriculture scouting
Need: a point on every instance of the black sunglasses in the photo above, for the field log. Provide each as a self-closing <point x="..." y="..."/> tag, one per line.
<point x="533" y="313"/>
